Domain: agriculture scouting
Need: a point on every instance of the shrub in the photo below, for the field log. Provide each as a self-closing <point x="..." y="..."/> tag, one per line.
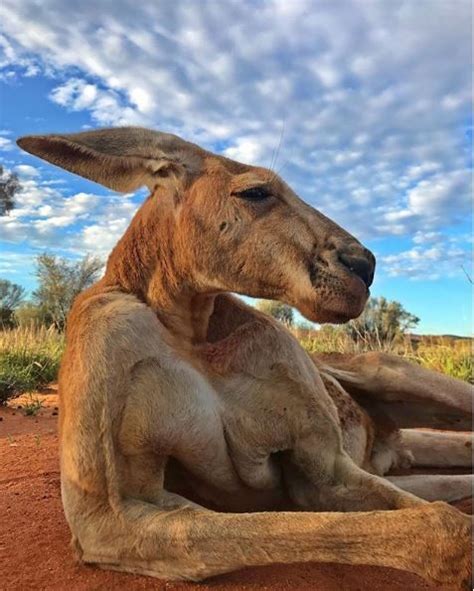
<point x="60" y="280"/>
<point x="11" y="296"/>
<point x="9" y="186"/>
<point x="382" y="323"/>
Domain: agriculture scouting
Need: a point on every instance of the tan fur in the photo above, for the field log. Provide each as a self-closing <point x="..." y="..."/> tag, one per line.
<point x="167" y="377"/>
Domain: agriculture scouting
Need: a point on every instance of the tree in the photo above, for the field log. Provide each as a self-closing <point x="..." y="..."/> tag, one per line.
<point x="60" y="280"/>
<point x="381" y="320"/>
<point x="11" y="295"/>
<point x="278" y="310"/>
<point x="9" y="186"/>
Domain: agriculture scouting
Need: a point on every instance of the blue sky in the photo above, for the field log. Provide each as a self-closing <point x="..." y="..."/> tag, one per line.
<point x="370" y="103"/>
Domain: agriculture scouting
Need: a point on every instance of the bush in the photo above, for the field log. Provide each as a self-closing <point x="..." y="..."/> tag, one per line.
<point x="11" y="296"/>
<point x="29" y="359"/>
<point x="9" y="186"/>
<point x="60" y="280"/>
<point x="381" y="323"/>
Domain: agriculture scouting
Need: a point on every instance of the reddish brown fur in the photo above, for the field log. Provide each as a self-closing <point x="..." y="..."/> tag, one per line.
<point x="161" y="361"/>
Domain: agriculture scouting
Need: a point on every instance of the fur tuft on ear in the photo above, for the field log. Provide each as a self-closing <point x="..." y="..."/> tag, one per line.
<point x="122" y="159"/>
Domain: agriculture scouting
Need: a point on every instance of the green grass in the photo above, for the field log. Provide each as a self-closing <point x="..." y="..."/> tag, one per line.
<point x="29" y="360"/>
<point x="32" y="407"/>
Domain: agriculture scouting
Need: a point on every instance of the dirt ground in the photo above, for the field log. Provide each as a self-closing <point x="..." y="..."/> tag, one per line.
<point x="34" y="538"/>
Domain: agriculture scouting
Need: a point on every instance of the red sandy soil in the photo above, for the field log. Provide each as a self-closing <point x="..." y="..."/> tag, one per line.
<point x="34" y="538"/>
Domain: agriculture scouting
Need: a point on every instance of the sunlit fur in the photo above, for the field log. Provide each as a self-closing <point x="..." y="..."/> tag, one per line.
<point x="169" y="382"/>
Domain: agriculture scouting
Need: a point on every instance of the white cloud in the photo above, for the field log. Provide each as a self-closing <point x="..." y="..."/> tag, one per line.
<point x="418" y="170"/>
<point x="75" y="94"/>
<point x="25" y="170"/>
<point x="246" y="149"/>
<point x="14" y="263"/>
<point x="106" y="107"/>
<point x="71" y="224"/>
<point x="427" y="237"/>
<point x="447" y="193"/>
<point x="440" y="260"/>
<point x="6" y="144"/>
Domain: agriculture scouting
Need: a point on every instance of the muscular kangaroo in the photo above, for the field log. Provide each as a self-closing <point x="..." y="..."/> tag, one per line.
<point x="166" y="376"/>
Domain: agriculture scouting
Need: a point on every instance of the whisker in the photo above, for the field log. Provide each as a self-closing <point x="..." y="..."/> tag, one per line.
<point x="277" y="151"/>
<point x="281" y="168"/>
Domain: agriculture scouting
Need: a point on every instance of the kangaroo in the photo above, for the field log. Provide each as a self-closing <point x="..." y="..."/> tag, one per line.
<point x="169" y="380"/>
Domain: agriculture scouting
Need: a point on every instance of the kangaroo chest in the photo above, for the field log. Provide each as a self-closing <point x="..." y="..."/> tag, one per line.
<point x="235" y="419"/>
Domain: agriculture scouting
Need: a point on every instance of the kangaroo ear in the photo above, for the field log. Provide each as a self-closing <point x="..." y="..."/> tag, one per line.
<point x="122" y="158"/>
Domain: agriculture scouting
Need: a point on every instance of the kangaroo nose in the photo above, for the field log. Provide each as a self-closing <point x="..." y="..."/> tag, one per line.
<point x="361" y="262"/>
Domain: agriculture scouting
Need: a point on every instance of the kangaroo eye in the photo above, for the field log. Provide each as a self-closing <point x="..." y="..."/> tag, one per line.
<point x="254" y="194"/>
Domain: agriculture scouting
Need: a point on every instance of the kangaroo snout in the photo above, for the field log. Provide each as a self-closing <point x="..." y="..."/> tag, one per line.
<point x="359" y="261"/>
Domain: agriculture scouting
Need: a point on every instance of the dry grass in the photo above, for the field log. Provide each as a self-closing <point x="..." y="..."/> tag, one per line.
<point x="451" y="356"/>
<point x="29" y="359"/>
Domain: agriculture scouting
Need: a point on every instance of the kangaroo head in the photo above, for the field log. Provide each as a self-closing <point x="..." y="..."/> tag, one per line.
<point x="222" y="226"/>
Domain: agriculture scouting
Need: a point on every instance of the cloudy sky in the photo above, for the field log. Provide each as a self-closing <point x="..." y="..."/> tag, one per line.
<point x="365" y="104"/>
